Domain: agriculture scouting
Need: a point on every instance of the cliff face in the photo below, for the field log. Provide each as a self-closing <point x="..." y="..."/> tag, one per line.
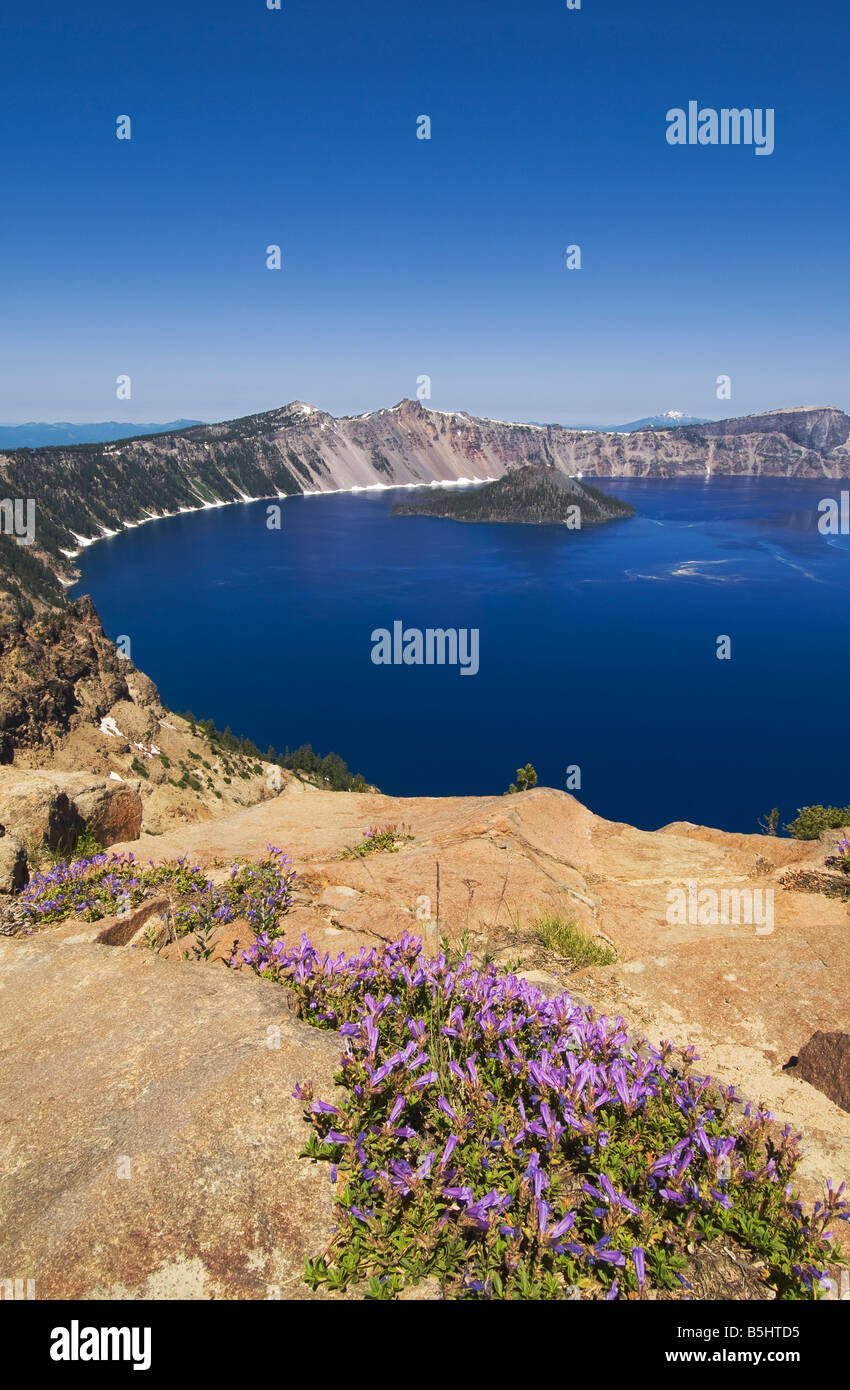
<point x="819" y="428"/>
<point x="82" y="492"/>
<point x="300" y="448"/>
<point x="57" y="671"/>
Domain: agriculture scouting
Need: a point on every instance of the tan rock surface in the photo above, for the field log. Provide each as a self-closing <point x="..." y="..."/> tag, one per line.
<point x="116" y="1061"/>
<point x="748" y="1002"/>
<point x="113" y="1051"/>
<point x="145" y="741"/>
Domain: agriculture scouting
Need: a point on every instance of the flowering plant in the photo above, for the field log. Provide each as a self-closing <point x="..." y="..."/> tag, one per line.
<point x="387" y="837"/>
<point x="517" y="1146"/>
<point x="105" y="885"/>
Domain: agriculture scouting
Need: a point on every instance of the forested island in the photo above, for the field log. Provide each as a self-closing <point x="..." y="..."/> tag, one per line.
<point x="535" y="495"/>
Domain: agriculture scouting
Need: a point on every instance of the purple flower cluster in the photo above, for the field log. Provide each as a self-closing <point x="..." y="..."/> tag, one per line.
<point x="89" y="888"/>
<point x="529" y="1134"/>
<point x="104" y="885"/>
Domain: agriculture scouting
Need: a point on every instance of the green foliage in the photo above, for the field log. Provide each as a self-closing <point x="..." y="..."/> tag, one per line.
<point x="388" y="838"/>
<point x="813" y="820"/>
<point x="437" y="1159"/>
<point x="82" y="846"/>
<point x="186" y="782"/>
<point x="226" y="739"/>
<point x="770" y="822"/>
<point x="26" y="575"/>
<point x="526" y="778"/>
<point x="329" y="769"/>
<point x="85" y="845"/>
<point x="566" y="939"/>
<point x="534" y="493"/>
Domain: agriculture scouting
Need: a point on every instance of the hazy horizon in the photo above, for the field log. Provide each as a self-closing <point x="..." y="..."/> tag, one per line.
<point x="186" y="422"/>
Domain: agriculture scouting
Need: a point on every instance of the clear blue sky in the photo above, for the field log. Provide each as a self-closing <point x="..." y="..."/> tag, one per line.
<point x="405" y="257"/>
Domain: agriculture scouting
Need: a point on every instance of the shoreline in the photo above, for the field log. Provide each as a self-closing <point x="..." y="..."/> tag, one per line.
<point x="84" y="542"/>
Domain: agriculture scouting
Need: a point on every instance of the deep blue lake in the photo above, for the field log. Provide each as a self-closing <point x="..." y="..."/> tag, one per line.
<point x="597" y="648"/>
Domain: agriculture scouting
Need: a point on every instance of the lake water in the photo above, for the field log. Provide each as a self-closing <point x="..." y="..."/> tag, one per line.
<point x="597" y="648"/>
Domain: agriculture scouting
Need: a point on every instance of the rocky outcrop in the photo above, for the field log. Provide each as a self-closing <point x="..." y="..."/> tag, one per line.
<point x="744" y="999"/>
<point x="57" y="671"/>
<point x="53" y="808"/>
<point x="822" y="428"/>
<point x="13" y="864"/>
<point x="825" y="1063"/>
<point x="170" y="1169"/>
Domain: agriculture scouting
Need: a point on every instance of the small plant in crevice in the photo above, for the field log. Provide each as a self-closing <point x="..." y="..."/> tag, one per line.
<point x="526" y="778"/>
<point x="83" y="845"/>
<point x="377" y="839"/>
<point x="841" y="860"/>
<point x="565" y="938"/>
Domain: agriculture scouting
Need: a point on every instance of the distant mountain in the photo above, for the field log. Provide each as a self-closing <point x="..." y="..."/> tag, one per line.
<point x="40" y="435"/>
<point x="670" y="419"/>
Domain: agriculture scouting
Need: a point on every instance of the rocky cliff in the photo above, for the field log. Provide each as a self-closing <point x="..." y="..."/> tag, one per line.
<point x="57" y="676"/>
<point x="86" y="491"/>
<point x="57" y="671"/>
<point x="821" y="429"/>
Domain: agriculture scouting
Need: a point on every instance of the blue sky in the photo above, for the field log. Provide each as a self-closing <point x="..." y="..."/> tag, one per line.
<point x="405" y="257"/>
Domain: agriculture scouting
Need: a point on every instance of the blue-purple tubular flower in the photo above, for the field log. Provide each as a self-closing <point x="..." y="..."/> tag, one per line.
<point x="535" y="1136"/>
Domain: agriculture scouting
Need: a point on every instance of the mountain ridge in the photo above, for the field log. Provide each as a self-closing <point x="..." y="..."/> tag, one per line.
<point x="84" y="492"/>
<point x="87" y="491"/>
<point x="667" y="419"/>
